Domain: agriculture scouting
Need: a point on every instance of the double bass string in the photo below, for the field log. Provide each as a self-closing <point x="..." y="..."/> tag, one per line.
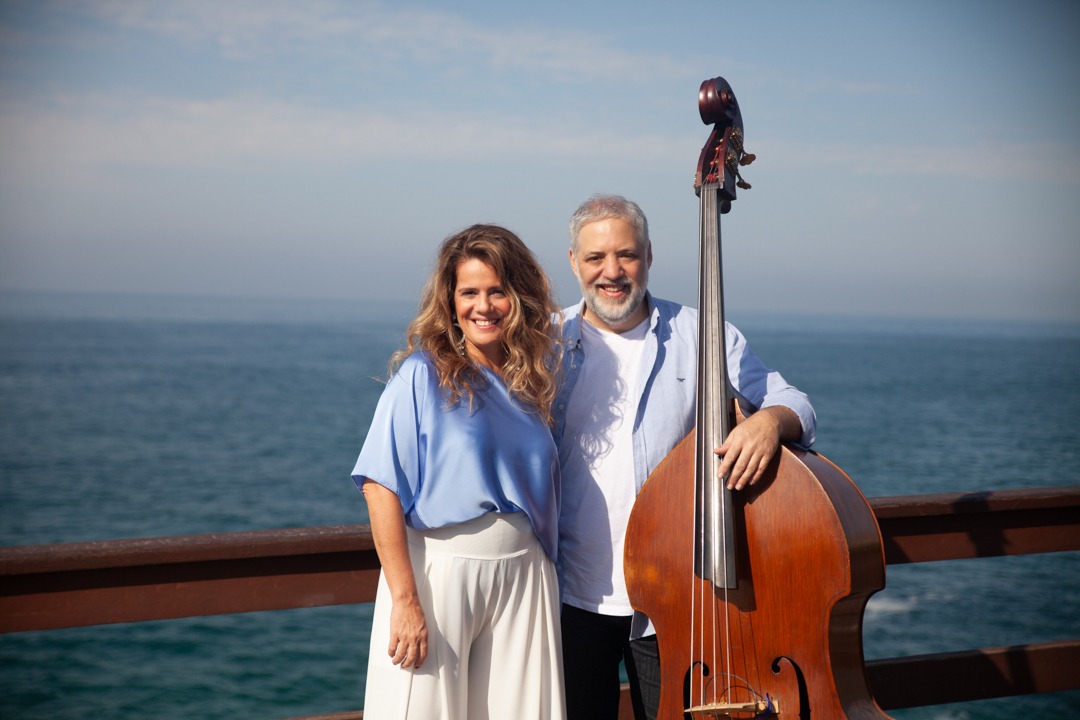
<point x="718" y="428"/>
<point x="715" y="548"/>
<point x="698" y="599"/>
<point x="703" y="497"/>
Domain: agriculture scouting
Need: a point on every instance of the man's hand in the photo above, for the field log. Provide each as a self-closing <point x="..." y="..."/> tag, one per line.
<point x="751" y="445"/>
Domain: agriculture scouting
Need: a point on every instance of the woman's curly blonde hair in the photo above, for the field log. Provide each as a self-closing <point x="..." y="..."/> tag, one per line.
<point x="529" y="330"/>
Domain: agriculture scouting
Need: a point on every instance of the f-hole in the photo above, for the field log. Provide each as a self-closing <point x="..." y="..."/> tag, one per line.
<point x="689" y="680"/>
<point x="804" y="694"/>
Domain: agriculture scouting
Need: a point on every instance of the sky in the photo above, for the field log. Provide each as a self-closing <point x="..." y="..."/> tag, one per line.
<point x="915" y="158"/>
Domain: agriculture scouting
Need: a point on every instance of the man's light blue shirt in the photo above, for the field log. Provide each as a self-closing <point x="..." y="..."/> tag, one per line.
<point x="666" y="408"/>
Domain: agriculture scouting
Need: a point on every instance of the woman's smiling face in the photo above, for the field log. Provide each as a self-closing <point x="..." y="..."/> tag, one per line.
<point x="480" y="306"/>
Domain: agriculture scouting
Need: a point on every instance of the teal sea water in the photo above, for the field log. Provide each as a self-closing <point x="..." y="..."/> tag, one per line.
<point x="140" y="417"/>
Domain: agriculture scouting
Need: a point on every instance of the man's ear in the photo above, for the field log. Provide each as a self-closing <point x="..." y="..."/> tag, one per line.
<point x="573" y="262"/>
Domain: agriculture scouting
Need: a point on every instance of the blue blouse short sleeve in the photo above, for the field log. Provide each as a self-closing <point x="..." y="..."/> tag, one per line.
<point x="452" y="463"/>
<point x="393" y="452"/>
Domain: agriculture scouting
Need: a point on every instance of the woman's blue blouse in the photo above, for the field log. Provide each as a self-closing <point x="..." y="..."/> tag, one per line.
<point x="449" y="465"/>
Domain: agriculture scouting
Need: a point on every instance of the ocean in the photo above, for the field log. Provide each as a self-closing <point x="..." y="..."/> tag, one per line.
<point x="127" y="417"/>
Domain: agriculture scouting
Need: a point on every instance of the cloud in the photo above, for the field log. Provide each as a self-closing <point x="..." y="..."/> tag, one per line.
<point x="1038" y="162"/>
<point x="98" y="132"/>
<point x="373" y="33"/>
<point x="267" y="117"/>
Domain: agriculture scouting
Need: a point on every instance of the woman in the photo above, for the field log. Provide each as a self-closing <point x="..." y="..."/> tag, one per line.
<point x="461" y="478"/>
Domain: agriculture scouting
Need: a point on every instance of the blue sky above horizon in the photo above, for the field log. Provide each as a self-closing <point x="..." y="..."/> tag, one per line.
<point x="914" y="159"/>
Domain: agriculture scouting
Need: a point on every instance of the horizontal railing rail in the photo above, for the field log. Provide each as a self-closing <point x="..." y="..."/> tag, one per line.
<point x="94" y="583"/>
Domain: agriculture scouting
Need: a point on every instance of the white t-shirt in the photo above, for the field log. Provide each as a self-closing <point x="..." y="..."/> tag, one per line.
<point x="597" y="458"/>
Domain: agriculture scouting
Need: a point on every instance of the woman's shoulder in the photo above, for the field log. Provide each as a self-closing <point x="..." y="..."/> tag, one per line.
<point x="417" y="369"/>
<point x="417" y="361"/>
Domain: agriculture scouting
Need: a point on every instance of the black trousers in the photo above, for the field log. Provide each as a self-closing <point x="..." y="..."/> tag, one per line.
<point x="593" y="645"/>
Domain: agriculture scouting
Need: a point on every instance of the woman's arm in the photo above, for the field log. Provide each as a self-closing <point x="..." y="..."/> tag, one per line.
<point x="408" y="627"/>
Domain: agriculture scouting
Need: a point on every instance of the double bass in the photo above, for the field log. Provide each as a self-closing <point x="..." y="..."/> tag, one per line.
<point x="756" y="596"/>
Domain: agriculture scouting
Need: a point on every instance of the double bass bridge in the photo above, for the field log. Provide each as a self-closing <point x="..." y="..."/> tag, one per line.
<point x="761" y="708"/>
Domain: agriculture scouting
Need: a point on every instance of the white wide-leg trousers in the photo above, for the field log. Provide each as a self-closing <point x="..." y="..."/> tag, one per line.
<point x="491" y="600"/>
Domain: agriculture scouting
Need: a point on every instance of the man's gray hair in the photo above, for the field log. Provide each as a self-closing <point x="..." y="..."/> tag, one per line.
<point x="602" y="207"/>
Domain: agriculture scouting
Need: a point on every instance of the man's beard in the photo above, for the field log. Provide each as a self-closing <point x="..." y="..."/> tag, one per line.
<point x="613" y="312"/>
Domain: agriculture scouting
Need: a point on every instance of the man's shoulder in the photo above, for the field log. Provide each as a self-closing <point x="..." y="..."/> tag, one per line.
<point x="671" y="310"/>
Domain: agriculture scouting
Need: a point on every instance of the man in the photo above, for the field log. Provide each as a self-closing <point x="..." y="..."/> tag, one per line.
<point x="627" y="398"/>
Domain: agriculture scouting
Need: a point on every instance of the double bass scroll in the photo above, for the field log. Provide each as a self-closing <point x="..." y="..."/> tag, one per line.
<point x="757" y="597"/>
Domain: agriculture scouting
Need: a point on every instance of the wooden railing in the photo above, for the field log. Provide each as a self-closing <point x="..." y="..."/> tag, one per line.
<point x="55" y="586"/>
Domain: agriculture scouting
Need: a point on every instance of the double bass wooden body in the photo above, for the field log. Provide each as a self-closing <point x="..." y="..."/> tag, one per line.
<point x="778" y="631"/>
<point x="808" y="557"/>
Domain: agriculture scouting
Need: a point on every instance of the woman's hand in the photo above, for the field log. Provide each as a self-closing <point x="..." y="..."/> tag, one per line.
<point x="408" y="633"/>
